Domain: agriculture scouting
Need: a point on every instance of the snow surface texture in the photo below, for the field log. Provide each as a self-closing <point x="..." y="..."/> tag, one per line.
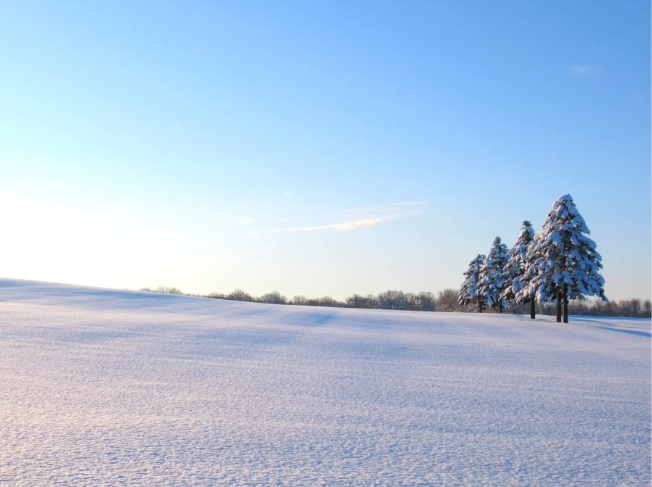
<point x="103" y="387"/>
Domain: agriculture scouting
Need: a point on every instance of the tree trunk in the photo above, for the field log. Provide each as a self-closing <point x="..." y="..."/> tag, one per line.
<point x="480" y="306"/>
<point x="532" y="307"/>
<point x="558" y="306"/>
<point x="565" y="303"/>
<point x="500" y="305"/>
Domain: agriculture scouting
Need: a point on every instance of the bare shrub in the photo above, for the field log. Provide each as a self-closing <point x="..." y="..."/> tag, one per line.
<point x="162" y="290"/>
<point x="273" y="298"/>
<point x="239" y="295"/>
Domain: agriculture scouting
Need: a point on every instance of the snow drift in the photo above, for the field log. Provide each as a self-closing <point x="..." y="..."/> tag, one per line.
<point x="101" y="387"/>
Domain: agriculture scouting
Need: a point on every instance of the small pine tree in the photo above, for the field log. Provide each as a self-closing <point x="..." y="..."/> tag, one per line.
<point x="532" y="282"/>
<point x="492" y="282"/>
<point x="565" y="262"/>
<point x="515" y="267"/>
<point x="469" y="289"/>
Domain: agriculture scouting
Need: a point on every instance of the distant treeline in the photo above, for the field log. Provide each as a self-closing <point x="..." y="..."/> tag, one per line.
<point x="446" y="300"/>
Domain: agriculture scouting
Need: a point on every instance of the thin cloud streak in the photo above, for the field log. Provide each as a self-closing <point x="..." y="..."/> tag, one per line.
<point x="357" y="218"/>
<point x="342" y="227"/>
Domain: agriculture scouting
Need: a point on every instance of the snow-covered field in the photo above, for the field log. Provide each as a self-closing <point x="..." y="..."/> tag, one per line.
<point x="101" y="387"/>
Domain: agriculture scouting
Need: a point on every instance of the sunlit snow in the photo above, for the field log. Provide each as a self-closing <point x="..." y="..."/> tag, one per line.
<point x="102" y="387"/>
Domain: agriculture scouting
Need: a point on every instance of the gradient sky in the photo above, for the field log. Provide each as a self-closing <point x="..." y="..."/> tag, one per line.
<point x="316" y="148"/>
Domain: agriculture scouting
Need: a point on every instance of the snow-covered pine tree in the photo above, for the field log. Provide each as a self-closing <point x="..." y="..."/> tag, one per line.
<point x="566" y="264"/>
<point x="492" y="282"/>
<point x="469" y="289"/>
<point x="534" y="285"/>
<point x="515" y="268"/>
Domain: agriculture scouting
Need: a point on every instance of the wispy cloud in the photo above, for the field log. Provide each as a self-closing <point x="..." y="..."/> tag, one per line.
<point x="582" y="70"/>
<point x="388" y="211"/>
<point x="288" y="195"/>
<point x="357" y="218"/>
<point x="342" y="227"/>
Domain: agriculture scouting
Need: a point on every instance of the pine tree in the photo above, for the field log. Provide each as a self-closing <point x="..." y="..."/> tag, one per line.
<point x="492" y="282"/>
<point x="565" y="263"/>
<point x="515" y="268"/>
<point x="469" y="289"/>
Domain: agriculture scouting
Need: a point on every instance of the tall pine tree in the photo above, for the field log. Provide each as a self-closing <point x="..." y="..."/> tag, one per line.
<point x="469" y="289"/>
<point x="565" y="264"/>
<point x="515" y="268"/>
<point x="492" y="282"/>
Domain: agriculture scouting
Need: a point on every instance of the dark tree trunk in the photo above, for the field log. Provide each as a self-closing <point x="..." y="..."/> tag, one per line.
<point x="565" y="303"/>
<point x="558" y="306"/>
<point x="500" y="305"/>
<point x="480" y="306"/>
<point x="532" y="308"/>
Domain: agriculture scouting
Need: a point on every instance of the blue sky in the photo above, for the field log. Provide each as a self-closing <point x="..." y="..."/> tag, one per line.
<point x="316" y="148"/>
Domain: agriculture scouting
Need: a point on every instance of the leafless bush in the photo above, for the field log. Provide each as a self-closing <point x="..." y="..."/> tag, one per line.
<point x="325" y="301"/>
<point x="239" y="295"/>
<point x="273" y="298"/>
<point x="357" y="301"/>
<point x="391" y="300"/>
<point x="447" y="301"/>
<point x="216" y="296"/>
<point x="424" y="301"/>
<point x="162" y="290"/>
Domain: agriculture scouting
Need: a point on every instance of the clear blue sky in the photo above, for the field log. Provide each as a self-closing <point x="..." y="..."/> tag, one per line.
<point x="316" y="148"/>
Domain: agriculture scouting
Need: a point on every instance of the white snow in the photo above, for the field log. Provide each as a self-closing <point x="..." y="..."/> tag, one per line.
<point x="101" y="387"/>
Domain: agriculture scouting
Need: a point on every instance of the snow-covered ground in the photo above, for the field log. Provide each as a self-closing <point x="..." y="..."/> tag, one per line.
<point x="101" y="387"/>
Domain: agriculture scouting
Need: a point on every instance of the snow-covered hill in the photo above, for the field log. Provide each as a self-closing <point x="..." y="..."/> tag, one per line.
<point x="101" y="387"/>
